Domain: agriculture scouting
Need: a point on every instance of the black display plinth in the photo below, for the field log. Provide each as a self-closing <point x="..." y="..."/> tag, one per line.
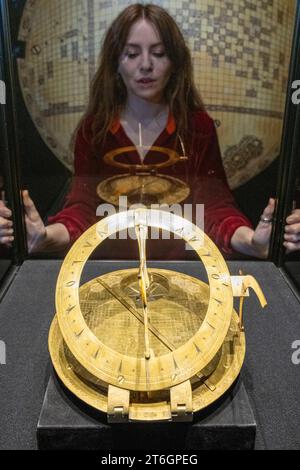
<point x="67" y="423"/>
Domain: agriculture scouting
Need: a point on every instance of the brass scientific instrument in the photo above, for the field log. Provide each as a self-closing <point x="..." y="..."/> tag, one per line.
<point x="142" y="183"/>
<point x="148" y="344"/>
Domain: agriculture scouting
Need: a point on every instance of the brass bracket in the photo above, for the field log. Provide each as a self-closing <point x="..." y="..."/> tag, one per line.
<point x="240" y="288"/>
<point x="181" y="402"/>
<point x="117" y="405"/>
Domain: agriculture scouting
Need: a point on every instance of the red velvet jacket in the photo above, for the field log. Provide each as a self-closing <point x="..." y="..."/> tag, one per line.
<point x="203" y="171"/>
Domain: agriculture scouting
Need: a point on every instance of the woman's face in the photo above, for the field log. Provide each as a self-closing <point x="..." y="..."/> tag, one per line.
<point x="143" y="64"/>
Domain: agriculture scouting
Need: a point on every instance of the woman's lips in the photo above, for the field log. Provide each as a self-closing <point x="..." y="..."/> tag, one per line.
<point x="146" y="80"/>
<point x="146" y="83"/>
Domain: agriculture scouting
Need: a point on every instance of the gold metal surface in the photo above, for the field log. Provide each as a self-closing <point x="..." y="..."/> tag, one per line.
<point x="173" y="367"/>
<point x="240" y="288"/>
<point x="173" y="157"/>
<point x="141" y="408"/>
<point x="143" y="188"/>
<point x="148" y="344"/>
<point x="117" y="404"/>
<point x="181" y="402"/>
<point x="215" y="379"/>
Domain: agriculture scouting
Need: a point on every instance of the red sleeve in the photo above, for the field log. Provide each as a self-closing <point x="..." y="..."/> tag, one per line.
<point x="221" y="214"/>
<point x="79" y="211"/>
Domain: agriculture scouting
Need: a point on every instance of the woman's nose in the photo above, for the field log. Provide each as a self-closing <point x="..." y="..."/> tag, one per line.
<point x="146" y="61"/>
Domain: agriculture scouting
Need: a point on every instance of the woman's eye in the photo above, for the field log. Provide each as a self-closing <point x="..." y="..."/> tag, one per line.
<point x="132" y="55"/>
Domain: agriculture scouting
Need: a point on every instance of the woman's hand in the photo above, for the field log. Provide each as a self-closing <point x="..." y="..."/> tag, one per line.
<point x="6" y="225"/>
<point x="257" y="242"/>
<point x="292" y="232"/>
<point x="262" y="234"/>
<point x="35" y="228"/>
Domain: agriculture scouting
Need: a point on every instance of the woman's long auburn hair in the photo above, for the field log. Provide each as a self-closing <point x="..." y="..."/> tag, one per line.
<point x="108" y="93"/>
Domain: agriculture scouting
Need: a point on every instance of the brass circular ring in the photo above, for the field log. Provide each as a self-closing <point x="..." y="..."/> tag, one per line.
<point x="109" y="158"/>
<point x="95" y="356"/>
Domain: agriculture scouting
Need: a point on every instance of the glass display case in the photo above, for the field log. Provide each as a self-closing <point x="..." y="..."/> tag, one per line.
<point x="246" y="90"/>
<point x="245" y="60"/>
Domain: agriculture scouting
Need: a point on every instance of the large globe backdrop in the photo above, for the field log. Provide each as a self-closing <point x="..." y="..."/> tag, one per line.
<point x="241" y="54"/>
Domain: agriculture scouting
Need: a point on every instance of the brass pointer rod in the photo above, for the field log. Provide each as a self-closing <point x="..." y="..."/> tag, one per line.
<point x="146" y="325"/>
<point x="141" y="233"/>
<point x="138" y="316"/>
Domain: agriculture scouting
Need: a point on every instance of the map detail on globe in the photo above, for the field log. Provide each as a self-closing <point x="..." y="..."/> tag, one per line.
<point x="241" y="53"/>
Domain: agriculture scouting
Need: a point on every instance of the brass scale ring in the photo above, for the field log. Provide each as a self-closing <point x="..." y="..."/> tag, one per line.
<point x="173" y="157"/>
<point x="138" y="373"/>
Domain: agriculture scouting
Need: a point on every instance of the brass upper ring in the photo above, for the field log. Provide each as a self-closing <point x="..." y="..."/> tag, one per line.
<point x="174" y="157"/>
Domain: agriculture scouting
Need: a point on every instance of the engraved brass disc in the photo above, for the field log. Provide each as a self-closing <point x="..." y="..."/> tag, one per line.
<point x="143" y="188"/>
<point x="172" y="365"/>
<point x="148" y="344"/>
<point x="177" y="309"/>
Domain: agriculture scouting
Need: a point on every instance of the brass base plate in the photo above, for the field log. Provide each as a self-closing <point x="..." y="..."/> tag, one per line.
<point x="178" y="316"/>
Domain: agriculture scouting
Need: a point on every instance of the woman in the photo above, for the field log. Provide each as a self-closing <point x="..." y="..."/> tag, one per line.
<point x="145" y="77"/>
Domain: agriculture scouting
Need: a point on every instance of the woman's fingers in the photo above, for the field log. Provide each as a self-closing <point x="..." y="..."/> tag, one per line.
<point x="267" y="215"/>
<point x="29" y="206"/>
<point x="291" y="246"/>
<point x="7" y="240"/>
<point x="6" y="225"/>
<point x="34" y="225"/>
<point x="292" y="232"/>
<point x="292" y="228"/>
<point x="35" y="228"/>
<point x="294" y="217"/>
<point x="4" y="211"/>
<point x="6" y="232"/>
